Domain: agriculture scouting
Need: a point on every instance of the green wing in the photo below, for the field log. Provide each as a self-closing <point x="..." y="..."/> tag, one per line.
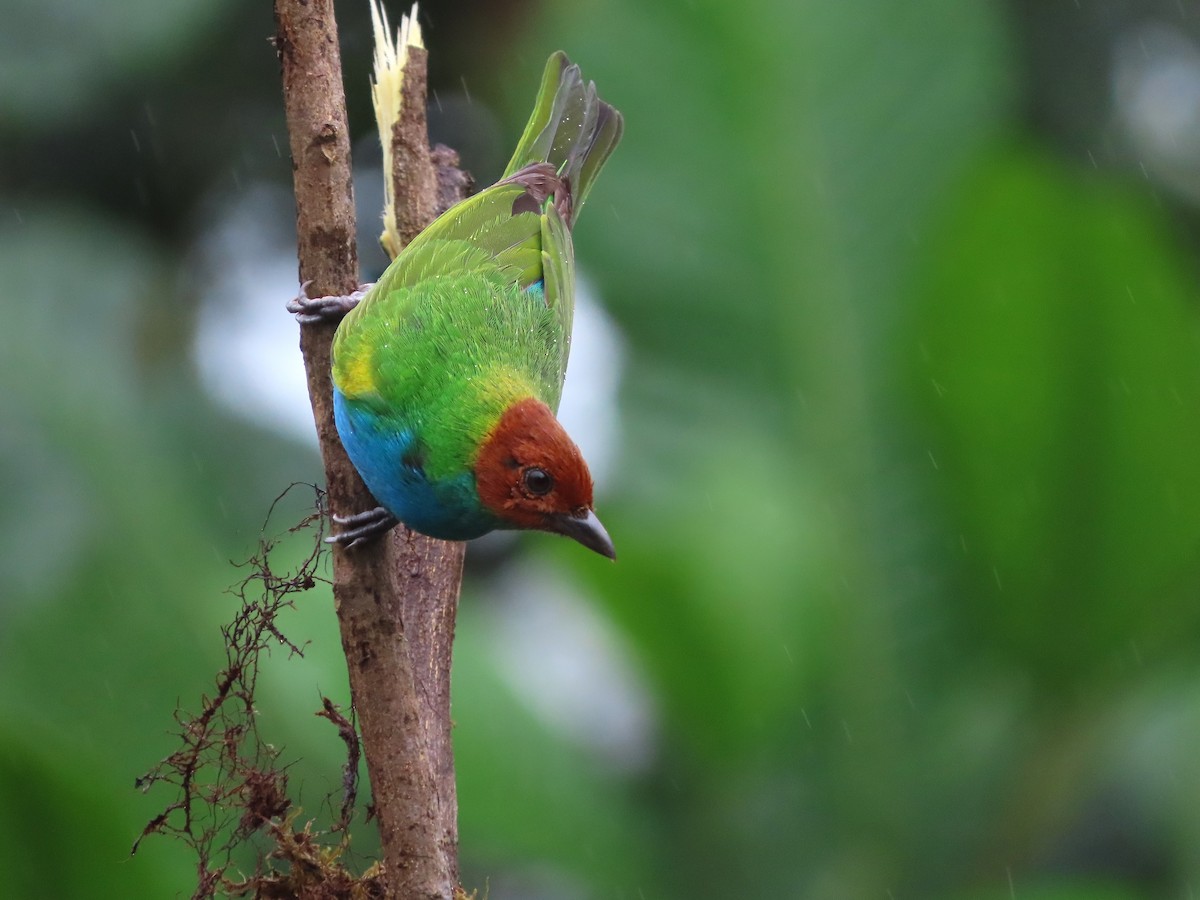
<point x="480" y="231"/>
<point x="481" y="239"/>
<point x="558" y="274"/>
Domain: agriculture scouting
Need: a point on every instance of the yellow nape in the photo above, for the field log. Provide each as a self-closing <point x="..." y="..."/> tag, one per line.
<point x="387" y="94"/>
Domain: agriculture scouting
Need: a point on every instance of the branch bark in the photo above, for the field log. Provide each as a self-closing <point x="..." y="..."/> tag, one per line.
<point x="397" y="597"/>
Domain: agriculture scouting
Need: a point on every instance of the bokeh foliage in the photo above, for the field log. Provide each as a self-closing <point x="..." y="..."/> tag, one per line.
<point x="905" y="503"/>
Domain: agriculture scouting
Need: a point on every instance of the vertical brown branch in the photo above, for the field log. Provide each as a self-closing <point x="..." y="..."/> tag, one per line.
<point x="396" y="598"/>
<point x="429" y="570"/>
<point x="414" y="181"/>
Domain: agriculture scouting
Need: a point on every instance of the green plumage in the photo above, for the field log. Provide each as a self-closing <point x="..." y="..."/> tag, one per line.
<point x="448" y="351"/>
<point x="474" y="314"/>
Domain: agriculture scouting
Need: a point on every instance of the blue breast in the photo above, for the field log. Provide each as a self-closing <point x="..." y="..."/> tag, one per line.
<point x="388" y="459"/>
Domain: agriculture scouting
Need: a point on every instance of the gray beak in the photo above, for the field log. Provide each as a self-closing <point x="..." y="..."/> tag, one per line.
<point x="586" y="529"/>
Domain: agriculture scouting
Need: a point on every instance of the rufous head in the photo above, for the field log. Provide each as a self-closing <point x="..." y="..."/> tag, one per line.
<point x="531" y="475"/>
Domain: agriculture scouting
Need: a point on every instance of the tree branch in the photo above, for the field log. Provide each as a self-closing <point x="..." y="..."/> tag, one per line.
<point x="396" y="598"/>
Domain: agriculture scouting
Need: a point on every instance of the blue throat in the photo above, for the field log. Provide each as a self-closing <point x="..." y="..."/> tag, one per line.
<point x="387" y="459"/>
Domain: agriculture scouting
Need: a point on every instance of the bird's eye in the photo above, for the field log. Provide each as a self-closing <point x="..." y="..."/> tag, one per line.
<point x="537" y="481"/>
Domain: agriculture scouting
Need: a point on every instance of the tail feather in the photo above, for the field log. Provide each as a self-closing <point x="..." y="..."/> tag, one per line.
<point x="606" y="134"/>
<point x="570" y="128"/>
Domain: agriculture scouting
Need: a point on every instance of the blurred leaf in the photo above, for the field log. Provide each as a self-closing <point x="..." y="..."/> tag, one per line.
<point x="712" y="590"/>
<point x="132" y="501"/>
<point x="60" y="837"/>
<point x="778" y="164"/>
<point x="1060" y="367"/>
<point x="527" y="795"/>
<point x="1060" y="889"/>
<point x="57" y="58"/>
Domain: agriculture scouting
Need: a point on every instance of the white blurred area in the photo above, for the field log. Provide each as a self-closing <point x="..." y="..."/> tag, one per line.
<point x="246" y="345"/>
<point x="1156" y="89"/>
<point x="560" y="657"/>
<point x="570" y="666"/>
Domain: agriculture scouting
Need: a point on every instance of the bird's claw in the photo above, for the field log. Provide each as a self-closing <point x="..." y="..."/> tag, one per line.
<point x="315" y="310"/>
<point x="363" y="527"/>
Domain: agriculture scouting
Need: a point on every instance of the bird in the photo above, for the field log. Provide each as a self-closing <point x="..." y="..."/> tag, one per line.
<point x="447" y="372"/>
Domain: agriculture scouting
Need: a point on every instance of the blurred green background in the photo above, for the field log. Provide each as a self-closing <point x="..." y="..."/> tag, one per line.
<point x="891" y="370"/>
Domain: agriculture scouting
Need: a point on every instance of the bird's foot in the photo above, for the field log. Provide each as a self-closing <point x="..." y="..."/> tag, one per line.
<point x="314" y="310"/>
<point x="363" y="527"/>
